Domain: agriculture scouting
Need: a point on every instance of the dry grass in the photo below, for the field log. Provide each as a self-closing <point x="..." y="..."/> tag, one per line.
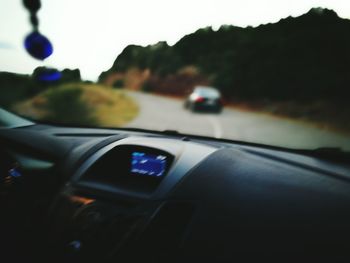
<point x="108" y="107"/>
<point x="112" y="107"/>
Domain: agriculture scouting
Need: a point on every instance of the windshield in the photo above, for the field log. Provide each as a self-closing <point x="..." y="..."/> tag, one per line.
<point x="270" y="72"/>
<point x="8" y="120"/>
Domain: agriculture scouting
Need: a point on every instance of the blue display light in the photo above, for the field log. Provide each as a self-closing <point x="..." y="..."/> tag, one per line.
<point x="148" y="164"/>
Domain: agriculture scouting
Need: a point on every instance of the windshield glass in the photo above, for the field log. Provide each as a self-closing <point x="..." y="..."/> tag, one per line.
<point x="278" y="70"/>
<point x="10" y="120"/>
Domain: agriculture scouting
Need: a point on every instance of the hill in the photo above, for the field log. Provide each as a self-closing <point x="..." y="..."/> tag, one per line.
<point x="301" y="59"/>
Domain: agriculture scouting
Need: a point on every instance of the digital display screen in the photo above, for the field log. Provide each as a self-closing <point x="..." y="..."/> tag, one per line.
<point x="148" y="164"/>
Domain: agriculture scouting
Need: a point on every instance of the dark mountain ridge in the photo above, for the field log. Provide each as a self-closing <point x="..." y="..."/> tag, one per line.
<point x="301" y="58"/>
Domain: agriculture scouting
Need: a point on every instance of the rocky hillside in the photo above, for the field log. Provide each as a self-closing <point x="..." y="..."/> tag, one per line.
<point x="301" y="58"/>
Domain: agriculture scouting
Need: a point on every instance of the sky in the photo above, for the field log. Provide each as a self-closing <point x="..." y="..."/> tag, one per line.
<point x="89" y="34"/>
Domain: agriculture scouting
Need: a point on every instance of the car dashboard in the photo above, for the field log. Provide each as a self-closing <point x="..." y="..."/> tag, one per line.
<point x="82" y="194"/>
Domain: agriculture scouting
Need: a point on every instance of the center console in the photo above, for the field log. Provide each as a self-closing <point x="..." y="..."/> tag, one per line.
<point x="118" y="199"/>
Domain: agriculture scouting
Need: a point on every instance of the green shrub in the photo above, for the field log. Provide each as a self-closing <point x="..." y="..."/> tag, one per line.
<point x="147" y="87"/>
<point x="65" y="105"/>
<point x="15" y="88"/>
<point x="119" y="84"/>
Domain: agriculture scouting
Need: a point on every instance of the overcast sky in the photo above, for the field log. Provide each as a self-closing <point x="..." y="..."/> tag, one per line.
<point x="89" y="34"/>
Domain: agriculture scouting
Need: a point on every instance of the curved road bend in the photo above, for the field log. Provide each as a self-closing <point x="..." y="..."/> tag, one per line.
<point x="163" y="113"/>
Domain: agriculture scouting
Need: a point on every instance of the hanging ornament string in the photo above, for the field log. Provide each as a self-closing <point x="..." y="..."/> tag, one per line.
<point x="36" y="44"/>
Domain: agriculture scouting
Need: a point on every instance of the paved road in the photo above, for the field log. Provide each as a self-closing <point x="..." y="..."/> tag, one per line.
<point x="162" y="113"/>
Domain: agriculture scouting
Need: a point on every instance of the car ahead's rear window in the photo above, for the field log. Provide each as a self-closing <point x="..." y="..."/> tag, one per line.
<point x="207" y="92"/>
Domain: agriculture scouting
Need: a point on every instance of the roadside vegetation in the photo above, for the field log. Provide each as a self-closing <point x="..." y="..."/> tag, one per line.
<point x="68" y="100"/>
<point x="80" y="104"/>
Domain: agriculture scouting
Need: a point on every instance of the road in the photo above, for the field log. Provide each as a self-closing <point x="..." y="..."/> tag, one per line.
<point x="163" y="113"/>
